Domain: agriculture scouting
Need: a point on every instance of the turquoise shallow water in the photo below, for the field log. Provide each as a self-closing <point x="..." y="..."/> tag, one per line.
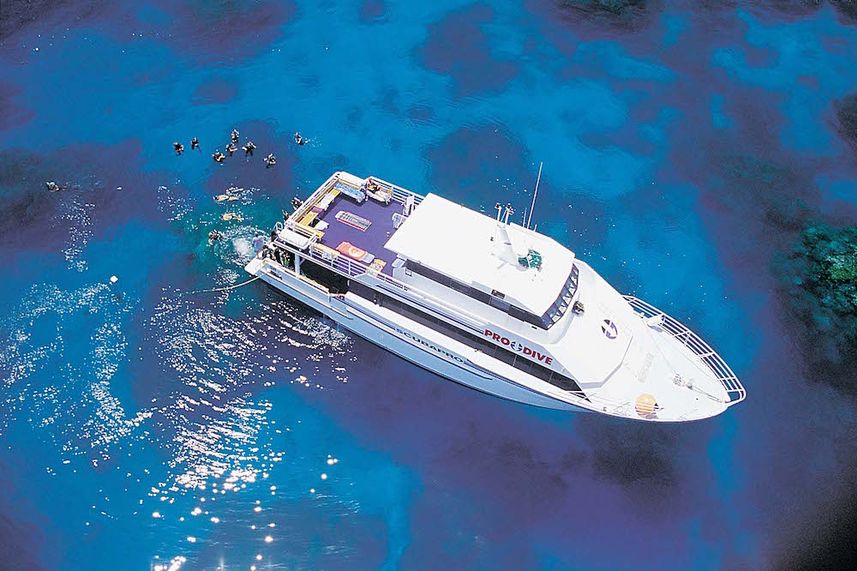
<point x="144" y="425"/>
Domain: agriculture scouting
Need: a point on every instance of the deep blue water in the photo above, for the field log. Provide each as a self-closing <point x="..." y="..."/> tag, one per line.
<point x="144" y="424"/>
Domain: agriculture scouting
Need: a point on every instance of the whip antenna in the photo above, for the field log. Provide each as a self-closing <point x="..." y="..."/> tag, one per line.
<point x="535" y="194"/>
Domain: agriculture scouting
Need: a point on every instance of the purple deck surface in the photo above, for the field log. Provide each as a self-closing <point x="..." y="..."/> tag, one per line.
<point x="374" y="238"/>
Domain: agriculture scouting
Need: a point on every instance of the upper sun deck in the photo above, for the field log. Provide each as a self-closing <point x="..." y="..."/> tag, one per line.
<point x="485" y="254"/>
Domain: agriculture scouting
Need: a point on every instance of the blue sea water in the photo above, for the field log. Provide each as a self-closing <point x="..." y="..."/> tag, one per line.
<point x="145" y="424"/>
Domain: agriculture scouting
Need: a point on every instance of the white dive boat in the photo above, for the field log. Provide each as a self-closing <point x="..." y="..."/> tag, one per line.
<point x="488" y="304"/>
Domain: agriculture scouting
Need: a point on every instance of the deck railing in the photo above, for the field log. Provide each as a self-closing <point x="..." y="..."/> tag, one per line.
<point x="342" y="263"/>
<point x="700" y="348"/>
<point x="400" y="195"/>
<point x="349" y="267"/>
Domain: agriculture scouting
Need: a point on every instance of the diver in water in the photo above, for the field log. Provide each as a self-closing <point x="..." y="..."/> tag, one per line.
<point x="299" y="139"/>
<point x="249" y="147"/>
<point x="270" y="161"/>
<point x="234" y="135"/>
<point x="178" y="147"/>
<point x="194" y="144"/>
<point x="231" y="148"/>
<point x="53" y="187"/>
<point x="218" y="157"/>
<point x="214" y="235"/>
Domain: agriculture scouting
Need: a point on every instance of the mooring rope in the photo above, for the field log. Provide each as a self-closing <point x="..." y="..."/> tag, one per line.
<point x="227" y="288"/>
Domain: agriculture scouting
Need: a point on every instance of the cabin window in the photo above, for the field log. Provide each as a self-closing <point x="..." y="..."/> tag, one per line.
<point x="496" y="298"/>
<point x="513" y="358"/>
<point x="503" y="306"/>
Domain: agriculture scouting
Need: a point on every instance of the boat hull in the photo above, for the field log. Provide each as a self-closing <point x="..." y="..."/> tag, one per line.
<point x="397" y="339"/>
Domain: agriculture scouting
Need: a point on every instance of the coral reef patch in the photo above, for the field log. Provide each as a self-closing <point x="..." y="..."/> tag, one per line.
<point x="821" y="280"/>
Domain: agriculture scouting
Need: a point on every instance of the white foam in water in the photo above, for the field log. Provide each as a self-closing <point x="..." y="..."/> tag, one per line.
<point x="78" y="405"/>
<point x="75" y="213"/>
<point x="174" y="203"/>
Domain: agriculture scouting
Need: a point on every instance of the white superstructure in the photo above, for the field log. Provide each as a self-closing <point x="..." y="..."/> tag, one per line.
<point x="489" y="304"/>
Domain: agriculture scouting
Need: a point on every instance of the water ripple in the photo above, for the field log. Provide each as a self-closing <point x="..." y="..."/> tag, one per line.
<point x="44" y="342"/>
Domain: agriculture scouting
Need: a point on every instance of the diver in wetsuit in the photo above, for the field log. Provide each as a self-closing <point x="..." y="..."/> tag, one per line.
<point x="218" y="157"/>
<point x="178" y="147"/>
<point x="270" y="161"/>
<point x="234" y="135"/>
<point x="231" y="148"/>
<point x="299" y="139"/>
<point x="249" y="147"/>
<point x="194" y="144"/>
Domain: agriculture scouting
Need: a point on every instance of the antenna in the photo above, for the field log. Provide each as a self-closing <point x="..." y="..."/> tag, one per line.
<point x="509" y="212"/>
<point x="535" y="194"/>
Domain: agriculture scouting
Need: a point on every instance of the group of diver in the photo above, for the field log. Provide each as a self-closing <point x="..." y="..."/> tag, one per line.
<point x="220" y="157"/>
<point x="249" y="147"/>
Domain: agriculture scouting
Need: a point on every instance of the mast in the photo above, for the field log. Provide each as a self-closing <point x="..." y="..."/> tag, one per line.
<point x="535" y="194"/>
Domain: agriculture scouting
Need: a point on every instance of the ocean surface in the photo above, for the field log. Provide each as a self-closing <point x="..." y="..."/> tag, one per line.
<point x="148" y="422"/>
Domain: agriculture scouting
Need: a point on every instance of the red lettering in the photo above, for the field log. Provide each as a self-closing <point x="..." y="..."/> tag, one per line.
<point x="532" y="353"/>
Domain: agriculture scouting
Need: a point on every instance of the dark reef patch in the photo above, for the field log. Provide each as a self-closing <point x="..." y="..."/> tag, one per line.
<point x="754" y="196"/>
<point x="769" y="9"/>
<point x="19" y="543"/>
<point x="372" y="11"/>
<point x="459" y="47"/>
<point x="354" y="117"/>
<point x="617" y="15"/>
<point x="217" y="90"/>
<point x="420" y="113"/>
<point x="89" y="173"/>
<point x="847" y="10"/>
<point x="18" y="15"/>
<point x="221" y="31"/>
<point x="614" y="7"/>
<point x="473" y="157"/>
<point x="639" y="458"/>
<point x="820" y="282"/>
<point x="11" y="114"/>
<point x="846" y="113"/>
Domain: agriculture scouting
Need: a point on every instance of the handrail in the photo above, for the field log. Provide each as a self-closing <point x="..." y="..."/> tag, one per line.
<point x="700" y="348"/>
<point x="399" y="195"/>
<point x="344" y="265"/>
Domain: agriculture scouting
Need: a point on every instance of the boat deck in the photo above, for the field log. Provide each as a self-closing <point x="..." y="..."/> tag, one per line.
<point x="347" y="229"/>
